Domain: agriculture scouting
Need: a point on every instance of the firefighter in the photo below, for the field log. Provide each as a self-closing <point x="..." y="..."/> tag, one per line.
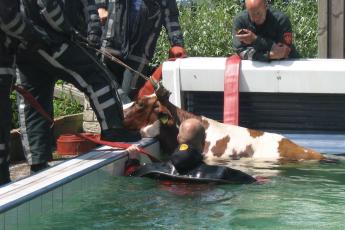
<point x="13" y="29"/>
<point x="263" y="33"/>
<point x="131" y="33"/>
<point x="72" y="26"/>
<point x="7" y="74"/>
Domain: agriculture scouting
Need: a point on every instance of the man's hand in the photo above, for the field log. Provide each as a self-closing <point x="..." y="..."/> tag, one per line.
<point x="279" y="51"/>
<point x="94" y="31"/>
<point x="103" y="15"/>
<point x="177" y="52"/>
<point x="246" y="36"/>
<point x="133" y="151"/>
<point x="41" y="40"/>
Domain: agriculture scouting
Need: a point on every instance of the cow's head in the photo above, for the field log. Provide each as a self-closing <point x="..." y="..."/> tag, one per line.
<point x="154" y="120"/>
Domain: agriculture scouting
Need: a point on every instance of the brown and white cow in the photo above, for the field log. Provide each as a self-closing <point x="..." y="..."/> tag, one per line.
<point x="223" y="142"/>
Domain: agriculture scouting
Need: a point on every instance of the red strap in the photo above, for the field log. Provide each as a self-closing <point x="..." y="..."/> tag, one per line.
<point x="231" y="90"/>
<point x="34" y="103"/>
<point x="148" y="89"/>
<point x="119" y="145"/>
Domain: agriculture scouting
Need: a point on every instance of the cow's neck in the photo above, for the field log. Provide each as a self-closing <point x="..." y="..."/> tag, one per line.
<point x="179" y="114"/>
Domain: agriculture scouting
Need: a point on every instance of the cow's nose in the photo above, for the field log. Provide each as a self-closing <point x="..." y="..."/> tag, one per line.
<point x="164" y="118"/>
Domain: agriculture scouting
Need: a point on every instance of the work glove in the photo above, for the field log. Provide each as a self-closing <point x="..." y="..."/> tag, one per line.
<point x="177" y="52"/>
<point x="94" y="31"/>
<point x="94" y="40"/>
<point x="40" y="39"/>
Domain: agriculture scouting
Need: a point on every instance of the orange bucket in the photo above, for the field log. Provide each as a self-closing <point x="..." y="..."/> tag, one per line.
<point x="70" y="144"/>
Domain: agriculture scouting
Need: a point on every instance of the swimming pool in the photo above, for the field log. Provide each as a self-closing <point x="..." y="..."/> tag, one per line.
<point x="299" y="196"/>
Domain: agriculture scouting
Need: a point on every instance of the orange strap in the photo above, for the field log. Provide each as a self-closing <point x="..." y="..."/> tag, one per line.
<point x="148" y="89"/>
<point x="231" y="90"/>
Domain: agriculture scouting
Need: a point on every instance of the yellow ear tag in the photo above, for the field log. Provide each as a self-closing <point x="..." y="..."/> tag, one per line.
<point x="164" y="120"/>
<point x="183" y="147"/>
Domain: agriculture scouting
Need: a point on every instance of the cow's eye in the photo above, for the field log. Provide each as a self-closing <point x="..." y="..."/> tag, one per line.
<point x="140" y="104"/>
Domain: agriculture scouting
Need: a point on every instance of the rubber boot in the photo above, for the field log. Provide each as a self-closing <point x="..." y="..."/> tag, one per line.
<point x="38" y="167"/>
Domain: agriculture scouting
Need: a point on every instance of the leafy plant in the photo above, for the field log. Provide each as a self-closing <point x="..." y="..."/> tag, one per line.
<point x="66" y="105"/>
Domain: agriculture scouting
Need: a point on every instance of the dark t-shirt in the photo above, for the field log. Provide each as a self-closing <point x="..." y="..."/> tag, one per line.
<point x="275" y="29"/>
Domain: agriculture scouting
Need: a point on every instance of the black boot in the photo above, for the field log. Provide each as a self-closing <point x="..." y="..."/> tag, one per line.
<point x="4" y="174"/>
<point x="4" y="178"/>
<point x="38" y="167"/>
<point x="120" y="135"/>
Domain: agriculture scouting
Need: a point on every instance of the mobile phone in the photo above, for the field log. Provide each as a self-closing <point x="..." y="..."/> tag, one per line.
<point x="241" y="31"/>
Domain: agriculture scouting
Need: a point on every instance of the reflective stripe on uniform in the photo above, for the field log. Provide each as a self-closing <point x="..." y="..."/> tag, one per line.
<point x="99" y="107"/>
<point x="107" y="103"/>
<point x="102" y="91"/>
<point x="14" y="27"/>
<point x="49" y="16"/>
<point x="54" y="12"/>
<point x="2" y="147"/>
<point x="7" y="71"/>
<point x="23" y="130"/>
<point x="63" y="48"/>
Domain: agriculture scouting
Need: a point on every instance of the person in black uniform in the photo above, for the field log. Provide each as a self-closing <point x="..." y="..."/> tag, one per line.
<point x="7" y="76"/>
<point x="262" y="33"/>
<point x="186" y="163"/>
<point x="131" y="33"/>
<point x="67" y="57"/>
<point x="13" y="29"/>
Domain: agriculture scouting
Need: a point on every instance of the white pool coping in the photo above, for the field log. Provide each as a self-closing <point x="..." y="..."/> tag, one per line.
<point x="325" y="76"/>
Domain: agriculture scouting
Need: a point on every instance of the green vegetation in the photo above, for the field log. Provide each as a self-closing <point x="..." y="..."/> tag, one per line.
<point x="66" y="105"/>
<point x="207" y="27"/>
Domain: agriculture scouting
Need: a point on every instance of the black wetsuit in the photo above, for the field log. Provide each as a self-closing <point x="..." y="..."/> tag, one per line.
<point x="276" y="29"/>
<point x="186" y="164"/>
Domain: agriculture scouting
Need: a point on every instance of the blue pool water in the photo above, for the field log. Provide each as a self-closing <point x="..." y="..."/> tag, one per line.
<point x="303" y="196"/>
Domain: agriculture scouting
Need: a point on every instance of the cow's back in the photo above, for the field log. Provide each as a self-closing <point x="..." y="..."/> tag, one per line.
<point x="230" y="142"/>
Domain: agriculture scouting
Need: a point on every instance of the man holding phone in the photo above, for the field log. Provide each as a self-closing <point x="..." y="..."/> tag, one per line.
<point x="261" y="33"/>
